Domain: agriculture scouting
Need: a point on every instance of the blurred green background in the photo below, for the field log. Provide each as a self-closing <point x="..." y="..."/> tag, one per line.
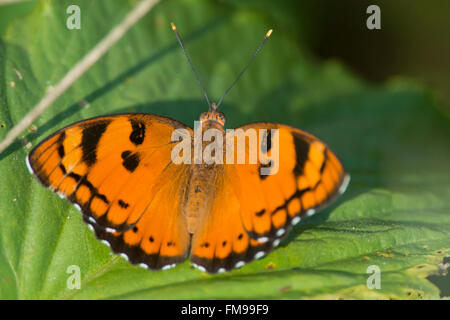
<point x="413" y="41"/>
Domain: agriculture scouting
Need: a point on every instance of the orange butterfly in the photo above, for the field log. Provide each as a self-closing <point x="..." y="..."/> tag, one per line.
<point x="119" y="171"/>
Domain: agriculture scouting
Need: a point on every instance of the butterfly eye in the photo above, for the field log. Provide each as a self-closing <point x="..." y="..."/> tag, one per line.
<point x="221" y="118"/>
<point x="203" y="116"/>
<point x="213" y="115"/>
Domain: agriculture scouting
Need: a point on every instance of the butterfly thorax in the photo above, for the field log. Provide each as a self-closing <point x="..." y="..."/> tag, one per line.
<point x="202" y="183"/>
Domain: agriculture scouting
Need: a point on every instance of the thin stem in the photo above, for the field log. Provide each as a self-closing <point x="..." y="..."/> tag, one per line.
<point x="3" y="2"/>
<point x="78" y="69"/>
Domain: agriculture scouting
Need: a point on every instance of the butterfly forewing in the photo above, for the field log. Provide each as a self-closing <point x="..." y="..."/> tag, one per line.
<point x="116" y="169"/>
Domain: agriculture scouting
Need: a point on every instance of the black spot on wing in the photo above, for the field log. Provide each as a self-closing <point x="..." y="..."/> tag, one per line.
<point x="322" y="167"/>
<point x="123" y="204"/>
<point x="101" y="197"/>
<point x="137" y="135"/>
<point x="61" y="151"/>
<point x="301" y="151"/>
<point x="130" y="160"/>
<point x="90" y="139"/>
<point x="260" y="213"/>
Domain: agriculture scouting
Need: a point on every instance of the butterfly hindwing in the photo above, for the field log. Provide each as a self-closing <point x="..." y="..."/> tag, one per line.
<point x="308" y="177"/>
<point x="159" y="239"/>
<point x="220" y="242"/>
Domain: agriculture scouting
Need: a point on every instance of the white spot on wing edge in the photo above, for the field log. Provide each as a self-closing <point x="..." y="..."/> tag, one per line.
<point x="276" y="242"/>
<point x="239" y="264"/>
<point x="168" y="266"/>
<point x="105" y="242"/>
<point x="221" y="270"/>
<point x="27" y="162"/>
<point x="310" y="212"/>
<point x="91" y="227"/>
<point x="143" y="265"/>
<point x="295" y="220"/>
<point x="77" y="206"/>
<point x="110" y="230"/>
<point x="263" y="239"/>
<point x="344" y="184"/>
<point x="199" y="267"/>
<point x="260" y="254"/>
<point x="123" y="255"/>
<point x="280" y="232"/>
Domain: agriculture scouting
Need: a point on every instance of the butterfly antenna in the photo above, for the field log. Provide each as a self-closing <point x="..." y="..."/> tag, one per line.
<point x="246" y="66"/>
<point x="174" y="28"/>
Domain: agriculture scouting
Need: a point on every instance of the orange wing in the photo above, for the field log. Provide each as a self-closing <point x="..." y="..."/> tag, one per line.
<point x="220" y="242"/>
<point x="309" y="177"/>
<point x="252" y="212"/>
<point x="160" y="239"/>
<point x="117" y="170"/>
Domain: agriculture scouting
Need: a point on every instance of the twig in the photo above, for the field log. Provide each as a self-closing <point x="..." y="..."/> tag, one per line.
<point x="80" y="67"/>
<point x="2" y="2"/>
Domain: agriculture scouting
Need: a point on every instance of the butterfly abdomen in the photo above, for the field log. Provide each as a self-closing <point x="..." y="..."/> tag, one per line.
<point x="202" y="183"/>
<point x="200" y="194"/>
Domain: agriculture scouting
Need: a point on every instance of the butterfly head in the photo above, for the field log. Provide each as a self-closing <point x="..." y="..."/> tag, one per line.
<point x="213" y="115"/>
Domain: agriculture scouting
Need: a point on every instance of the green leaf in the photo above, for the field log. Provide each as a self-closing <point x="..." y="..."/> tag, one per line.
<point x="391" y="138"/>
